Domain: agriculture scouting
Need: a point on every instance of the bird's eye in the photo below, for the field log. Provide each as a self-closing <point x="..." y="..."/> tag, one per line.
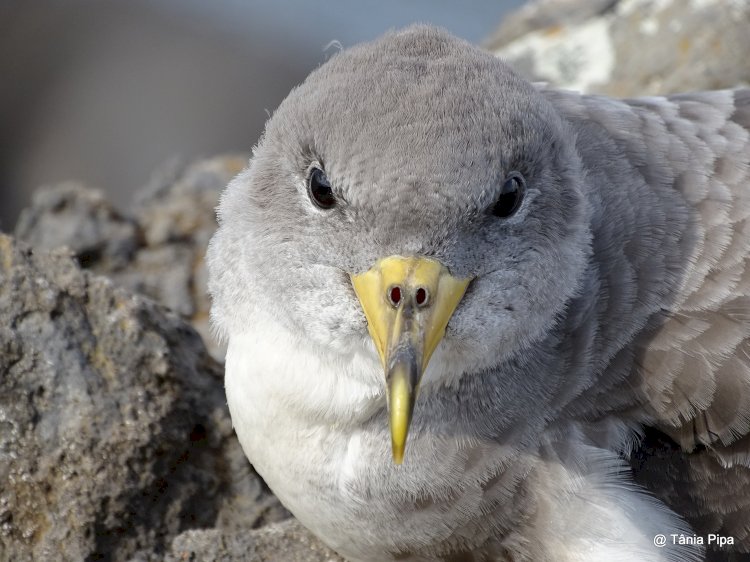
<point x="510" y="196"/>
<point x="320" y="189"/>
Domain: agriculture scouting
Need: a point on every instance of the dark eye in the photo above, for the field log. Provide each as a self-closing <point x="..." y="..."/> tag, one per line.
<point x="320" y="189"/>
<point x="510" y="196"/>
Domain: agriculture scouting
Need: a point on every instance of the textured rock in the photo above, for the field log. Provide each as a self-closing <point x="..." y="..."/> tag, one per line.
<point x="280" y="542"/>
<point x="114" y="434"/>
<point x="83" y="220"/>
<point x="157" y="249"/>
<point x="629" y="47"/>
<point x="545" y="14"/>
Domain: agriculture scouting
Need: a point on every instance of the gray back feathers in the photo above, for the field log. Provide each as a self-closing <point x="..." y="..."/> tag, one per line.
<point x="686" y="372"/>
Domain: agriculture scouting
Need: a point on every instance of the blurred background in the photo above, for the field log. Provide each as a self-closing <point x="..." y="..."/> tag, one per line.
<point x="107" y="92"/>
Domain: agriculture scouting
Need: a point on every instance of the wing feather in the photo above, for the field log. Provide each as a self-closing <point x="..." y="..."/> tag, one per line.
<point x="695" y="366"/>
<point x="684" y="373"/>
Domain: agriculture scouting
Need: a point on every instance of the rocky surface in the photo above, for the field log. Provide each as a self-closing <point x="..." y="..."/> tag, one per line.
<point x="287" y="541"/>
<point x="156" y="249"/>
<point x="629" y="47"/>
<point x="114" y="434"/>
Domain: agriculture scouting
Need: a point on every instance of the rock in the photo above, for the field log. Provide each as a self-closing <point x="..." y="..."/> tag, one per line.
<point x="545" y="14"/>
<point x="280" y="542"/>
<point x="157" y="249"/>
<point x="114" y="434"/>
<point x="629" y="47"/>
<point x="80" y="218"/>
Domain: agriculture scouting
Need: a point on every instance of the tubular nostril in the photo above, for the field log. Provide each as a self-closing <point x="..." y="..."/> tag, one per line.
<point x="422" y="296"/>
<point x="394" y="295"/>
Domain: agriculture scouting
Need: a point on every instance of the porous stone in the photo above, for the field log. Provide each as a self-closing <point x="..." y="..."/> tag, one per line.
<point x="81" y="218"/>
<point x="629" y="47"/>
<point x="288" y="541"/>
<point x="114" y="433"/>
<point x="155" y="249"/>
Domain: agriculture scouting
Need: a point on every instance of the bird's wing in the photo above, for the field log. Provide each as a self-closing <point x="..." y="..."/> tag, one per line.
<point x="693" y="363"/>
<point x="686" y="375"/>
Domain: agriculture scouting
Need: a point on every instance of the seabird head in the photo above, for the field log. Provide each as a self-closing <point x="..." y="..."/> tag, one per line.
<point x="412" y="193"/>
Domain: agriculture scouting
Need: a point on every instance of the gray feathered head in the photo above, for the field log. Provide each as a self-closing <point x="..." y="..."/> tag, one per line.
<point x="400" y="174"/>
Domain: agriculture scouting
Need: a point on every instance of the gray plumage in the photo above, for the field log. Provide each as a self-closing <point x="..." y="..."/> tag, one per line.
<point x="614" y="303"/>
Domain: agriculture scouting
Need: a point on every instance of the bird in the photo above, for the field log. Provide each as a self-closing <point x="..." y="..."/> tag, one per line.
<point x="472" y="317"/>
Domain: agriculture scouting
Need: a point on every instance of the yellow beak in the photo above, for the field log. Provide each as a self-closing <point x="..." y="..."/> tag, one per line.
<point x="408" y="303"/>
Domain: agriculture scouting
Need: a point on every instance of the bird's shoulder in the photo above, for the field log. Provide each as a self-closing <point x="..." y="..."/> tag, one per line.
<point x="686" y="372"/>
